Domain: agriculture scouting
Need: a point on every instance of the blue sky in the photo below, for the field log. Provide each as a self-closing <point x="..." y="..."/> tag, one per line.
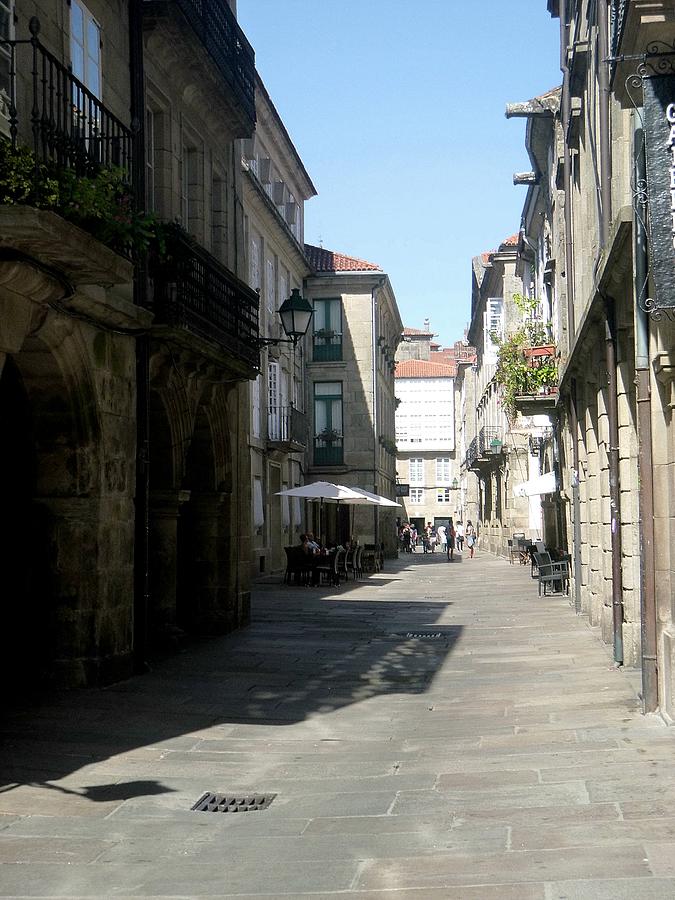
<point x="397" y="111"/>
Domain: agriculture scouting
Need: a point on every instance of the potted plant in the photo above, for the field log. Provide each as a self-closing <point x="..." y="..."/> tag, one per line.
<point x="329" y="436"/>
<point x="526" y="364"/>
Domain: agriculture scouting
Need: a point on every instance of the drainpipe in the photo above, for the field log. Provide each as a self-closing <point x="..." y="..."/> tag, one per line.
<point x="141" y="604"/>
<point x="576" y="500"/>
<point x="614" y="480"/>
<point x="603" y="115"/>
<point x="376" y="424"/>
<point x="650" y="691"/>
<point x="567" y="173"/>
<point x="610" y="333"/>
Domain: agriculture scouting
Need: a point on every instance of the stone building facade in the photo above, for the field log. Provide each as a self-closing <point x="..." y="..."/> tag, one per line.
<point x="426" y="460"/>
<point x="615" y="415"/>
<point x="498" y="448"/>
<point x="275" y="188"/>
<point x="594" y="245"/>
<point x="356" y="329"/>
<point x="124" y="383"/>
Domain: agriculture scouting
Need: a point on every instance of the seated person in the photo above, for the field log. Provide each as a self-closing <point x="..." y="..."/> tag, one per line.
<point x="312" y="543"/>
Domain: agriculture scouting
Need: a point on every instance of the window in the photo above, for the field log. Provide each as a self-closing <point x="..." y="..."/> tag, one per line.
<point x="85" y="48"/>
<point x="271" y="287"/>
<point x="254" y="264"/>
<point x="416" y="470"/>
<point x="273" y="410"/>
<point x="443" y="495"/>
<point x="328" y="437"/>
<point x="218" y="218"/>
<point x="443" y="470"/>
<point x="255" y="405"/>
<point x="416" y="495"/>
<point x="6" y="34"/>
<point x="327" y="327"/>
<point x="493" y="324"/>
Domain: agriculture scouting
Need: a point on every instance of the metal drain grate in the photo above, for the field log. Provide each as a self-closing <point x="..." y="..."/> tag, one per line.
<point x="224" y="803"/>
<point x="427" y="635"/>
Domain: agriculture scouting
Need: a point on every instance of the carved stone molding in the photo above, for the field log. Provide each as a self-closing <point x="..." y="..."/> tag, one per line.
<point x="664" y="370"/>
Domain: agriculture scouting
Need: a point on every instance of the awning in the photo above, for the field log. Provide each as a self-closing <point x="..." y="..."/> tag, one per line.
<point x="542" y="484"/>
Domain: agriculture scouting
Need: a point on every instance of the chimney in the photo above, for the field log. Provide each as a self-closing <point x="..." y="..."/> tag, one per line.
<point x="426" y="325"/>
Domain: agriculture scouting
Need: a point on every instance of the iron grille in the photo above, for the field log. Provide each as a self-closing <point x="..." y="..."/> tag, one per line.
<point x="202" y="296"/>
<point x="68" y="124"/>
<point x="216" y="27"/>
<point x="225" y="803"/>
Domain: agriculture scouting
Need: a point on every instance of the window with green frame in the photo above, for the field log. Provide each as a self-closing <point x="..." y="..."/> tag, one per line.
<point x="328" y="436"/>
<point x="327" y="330"/>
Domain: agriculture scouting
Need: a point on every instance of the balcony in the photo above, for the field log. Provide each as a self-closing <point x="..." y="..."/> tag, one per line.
<point x="199" y="301"/>
<point x="327" y="346"/>
<point x="328" y="450"/>
<point x="67" y="125"/>
<point x="485" y="450"/>
<point x="287" y="429"/>
<point x="214" y="25"/>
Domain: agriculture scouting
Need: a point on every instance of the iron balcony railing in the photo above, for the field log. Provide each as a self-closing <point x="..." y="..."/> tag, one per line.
<point x="328" y="452"/>
<point x="471" y="453"/>
<point x="327" y="346"/>
<point x="489" y="441"/>
<point x="197" y="293"/>
<point x="216" y="26"/>
<point x="286" y="425"/>
<point x="64" y="122"/>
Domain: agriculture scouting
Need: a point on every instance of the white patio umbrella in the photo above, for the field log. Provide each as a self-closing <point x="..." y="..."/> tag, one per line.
<point x="377" y="499"/>
<point x="326" y="491"/>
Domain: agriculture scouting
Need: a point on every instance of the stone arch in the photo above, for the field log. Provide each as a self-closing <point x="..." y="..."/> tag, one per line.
<point x="51" y="469"/>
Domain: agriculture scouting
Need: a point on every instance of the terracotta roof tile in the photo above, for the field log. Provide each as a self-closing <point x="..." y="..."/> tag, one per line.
<point x="422" y="368"/>
<point x="328" y="261"/>
<point x="418" y="331"/>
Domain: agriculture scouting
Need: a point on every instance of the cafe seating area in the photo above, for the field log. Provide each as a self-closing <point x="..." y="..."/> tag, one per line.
<point x="331" y="566"/>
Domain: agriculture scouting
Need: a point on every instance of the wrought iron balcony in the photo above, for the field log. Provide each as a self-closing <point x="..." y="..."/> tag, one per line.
<point x="327" y="346"/>
<point x="471" y="454"/>
<point x="485" y="449"/>
<point x="287" y="428"/>
<point x="199" y="296"/>
<point x="328" y="451"/>
<point x="216" y="27"/>
<point x="63" y="121"/>
<point x="489" y="442"/>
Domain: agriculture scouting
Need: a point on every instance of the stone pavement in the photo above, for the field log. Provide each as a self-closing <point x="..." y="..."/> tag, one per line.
<point x="436" y="731"/>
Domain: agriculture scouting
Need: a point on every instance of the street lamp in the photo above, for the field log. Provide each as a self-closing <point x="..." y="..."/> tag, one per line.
<point x="295" y="314"/>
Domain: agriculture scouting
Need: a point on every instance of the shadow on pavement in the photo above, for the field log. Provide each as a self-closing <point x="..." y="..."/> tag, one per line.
<point x="302" y="656"/>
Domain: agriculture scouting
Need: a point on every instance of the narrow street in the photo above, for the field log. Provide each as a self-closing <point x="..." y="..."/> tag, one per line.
<point x="434" y="731"/>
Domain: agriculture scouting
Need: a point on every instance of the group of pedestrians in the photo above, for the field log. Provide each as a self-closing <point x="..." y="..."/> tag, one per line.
<point x="446" y="537"/>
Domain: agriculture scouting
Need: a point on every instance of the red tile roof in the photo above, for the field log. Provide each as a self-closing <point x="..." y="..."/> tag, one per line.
<point x="328" y="261"/>
<point x="511" y="241"/>
<point x="422" y="368"/>
<point x="418" y="331"/>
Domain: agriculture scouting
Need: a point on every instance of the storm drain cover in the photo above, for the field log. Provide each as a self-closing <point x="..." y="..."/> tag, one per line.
<point x="227" y="803"/>
<point x="427" y="635"/>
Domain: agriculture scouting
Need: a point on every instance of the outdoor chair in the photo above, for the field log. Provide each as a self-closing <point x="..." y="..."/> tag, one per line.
<point x="350" y="563"/>
<point x="298" y="566"/>
<point x="328" y="568"/>
<point x="553" y="574"/>
<point x="536" y="547"/>
<point x="518" y="548"/>
<point x="357" y="563"/>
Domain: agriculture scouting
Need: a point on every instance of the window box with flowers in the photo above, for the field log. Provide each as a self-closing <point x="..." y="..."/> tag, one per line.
<point x="527" y="371"/>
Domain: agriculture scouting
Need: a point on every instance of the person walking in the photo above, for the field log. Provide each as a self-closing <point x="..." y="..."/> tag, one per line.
<point x="459" y="536"/>
<point x="450" y="541"/>
<point x="470" y="533"/>
<point x="442" y="537"/>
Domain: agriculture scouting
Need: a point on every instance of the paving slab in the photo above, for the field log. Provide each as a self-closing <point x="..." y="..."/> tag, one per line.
<point x="506" y="759"/>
